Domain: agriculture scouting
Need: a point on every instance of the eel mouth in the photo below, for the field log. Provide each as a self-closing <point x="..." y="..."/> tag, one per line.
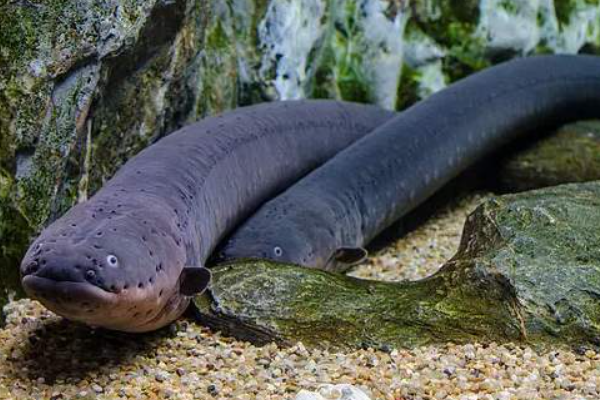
<point x="79" y="301"/>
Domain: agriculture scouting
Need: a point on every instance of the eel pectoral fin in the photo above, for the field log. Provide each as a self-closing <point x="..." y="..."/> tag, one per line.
<point x="193" y="280"/>
<point x="349" y="256"/>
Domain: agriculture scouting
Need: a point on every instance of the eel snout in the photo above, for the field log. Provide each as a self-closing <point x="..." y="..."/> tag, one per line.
<point x="76" y="300"/>
<point x="100" y="285"/>
<point x="68" y="284"/>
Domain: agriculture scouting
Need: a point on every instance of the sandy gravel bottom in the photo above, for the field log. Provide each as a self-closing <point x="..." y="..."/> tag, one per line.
<point x="43" y="356"/>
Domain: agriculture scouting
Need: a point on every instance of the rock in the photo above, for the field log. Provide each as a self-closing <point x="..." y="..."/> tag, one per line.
<point x="161" y="376"/>
<point x="86" y="85"/>
<point x="14" y="237"/>
<point x="333" y="392"/>
<point x="97" y="388"/>
<point x="527" y="270"/>
<point x="571" y="154"/>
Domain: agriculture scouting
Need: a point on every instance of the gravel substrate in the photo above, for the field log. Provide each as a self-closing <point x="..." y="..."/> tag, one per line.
<point x="43" y="356"/>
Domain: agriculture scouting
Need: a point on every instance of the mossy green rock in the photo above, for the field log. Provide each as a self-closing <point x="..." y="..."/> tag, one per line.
<point x="571" y="154"/>
<point x="528" y="270"/>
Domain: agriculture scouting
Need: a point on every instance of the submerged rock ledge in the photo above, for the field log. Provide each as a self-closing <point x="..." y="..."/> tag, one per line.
<point x="527" y="270"/>
<point x="569" y="154"/>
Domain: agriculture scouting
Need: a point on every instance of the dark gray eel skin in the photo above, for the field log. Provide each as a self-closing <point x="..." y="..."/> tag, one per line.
<point x="325" y="219"/>
<point x="130" y="258"/>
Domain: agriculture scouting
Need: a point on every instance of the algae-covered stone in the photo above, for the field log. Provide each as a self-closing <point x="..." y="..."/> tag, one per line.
<point x="571" y="154"/>
<point x="546" y="247"/>
<point x="528" y="269"/>
<point x="262" y="302"/>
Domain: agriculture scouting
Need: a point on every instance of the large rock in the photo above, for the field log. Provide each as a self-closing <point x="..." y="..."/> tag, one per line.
<point x="86" y="84"/>
<point x="571" y="154"/>
<point x="528" y="269"/>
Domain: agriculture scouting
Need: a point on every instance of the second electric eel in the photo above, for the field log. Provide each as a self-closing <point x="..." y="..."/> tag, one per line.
<point x="326" y="219"/>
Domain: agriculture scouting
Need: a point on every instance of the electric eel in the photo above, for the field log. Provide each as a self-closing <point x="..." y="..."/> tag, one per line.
<point x="130" y="257"/>
<point x="325" y="220"/>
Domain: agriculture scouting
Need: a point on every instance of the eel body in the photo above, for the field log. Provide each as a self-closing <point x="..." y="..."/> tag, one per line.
<point x="325" y="220"/>
<point x="130" y="258"/>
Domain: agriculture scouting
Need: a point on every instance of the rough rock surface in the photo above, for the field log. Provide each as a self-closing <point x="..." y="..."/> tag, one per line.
<point x="84" y="85"/>
<point x="528" y="269"/>
<point x="571" y="154"/>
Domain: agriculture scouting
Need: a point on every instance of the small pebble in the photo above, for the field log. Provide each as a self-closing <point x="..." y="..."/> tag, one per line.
<point x="97" y="388"/>
<point x="212" y="389"/>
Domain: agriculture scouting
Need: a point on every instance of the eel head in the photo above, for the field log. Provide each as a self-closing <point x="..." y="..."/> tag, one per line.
<point x="285" y="247"/>
<point x="112" y="268"/>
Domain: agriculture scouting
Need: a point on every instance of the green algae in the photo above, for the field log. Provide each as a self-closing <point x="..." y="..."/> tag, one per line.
<point x="41" y="42"/>
<point x="218" y="90"/>
<point x="15" y="227"/>
<point x="453" y="26"/>
<point x="565" y="8"/>
<point x="408" y="91"/>
<point x="342" y="72"/>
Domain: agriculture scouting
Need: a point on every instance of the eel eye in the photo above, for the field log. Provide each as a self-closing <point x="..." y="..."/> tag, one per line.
<point x="112" y="260"/>
<point x="278" y="251"/>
